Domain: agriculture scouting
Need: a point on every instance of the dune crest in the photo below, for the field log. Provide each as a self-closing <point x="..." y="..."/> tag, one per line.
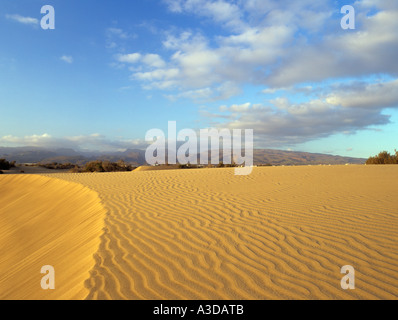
<point x="46" y="221"/>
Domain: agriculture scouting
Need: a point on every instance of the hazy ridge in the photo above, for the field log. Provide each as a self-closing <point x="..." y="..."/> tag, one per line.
<point x="137" y="157"/>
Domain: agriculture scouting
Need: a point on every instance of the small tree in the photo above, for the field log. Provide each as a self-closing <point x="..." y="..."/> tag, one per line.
<point x="232" y="165"/>
<point x="4" y="164"/>
<point x="121" y="164"/>
<point x="383" y="157"/>
<point x="108" y="166"/>
<point x="94" y="166"/>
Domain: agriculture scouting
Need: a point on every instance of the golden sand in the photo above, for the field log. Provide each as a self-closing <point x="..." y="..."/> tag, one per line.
<point x="279" y="233"/>
<point x="47" y="221"/>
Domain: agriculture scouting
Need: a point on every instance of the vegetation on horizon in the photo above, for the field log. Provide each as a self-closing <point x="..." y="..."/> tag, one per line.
<point x="92" y="166"/>
<point x="6" y="165"/>
<point x="384" y="157"/>
<point x="196" y="166"/>
<point x="57" y="166"/>
<point x="104" y="166"/>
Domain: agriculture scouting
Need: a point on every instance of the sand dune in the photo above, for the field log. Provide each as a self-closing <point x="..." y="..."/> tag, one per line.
<point x="47" y="222"/>
<point x="279" y="233"/>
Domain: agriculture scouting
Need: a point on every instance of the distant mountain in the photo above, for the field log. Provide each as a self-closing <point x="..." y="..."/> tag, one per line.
<point x="67" y="152"/>
<point x="65" y="155"/>
<point x="26" y="154"/>
<point x="137" y="157"/>
<point x="280" y="157"/>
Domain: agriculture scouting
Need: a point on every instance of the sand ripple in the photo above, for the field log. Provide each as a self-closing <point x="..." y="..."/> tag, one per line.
<point x="280" y="233"/>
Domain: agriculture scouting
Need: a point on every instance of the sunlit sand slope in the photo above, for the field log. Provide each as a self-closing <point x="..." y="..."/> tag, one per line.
<point x="279" y="233"/>
<point x="47" y="222"/>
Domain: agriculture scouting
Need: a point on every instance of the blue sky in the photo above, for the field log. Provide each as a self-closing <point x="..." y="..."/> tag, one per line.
<point x="112" y="70"/>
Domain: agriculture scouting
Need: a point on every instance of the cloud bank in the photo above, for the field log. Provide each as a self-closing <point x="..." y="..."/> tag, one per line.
<point x="93" y="142"/>
<point x="347" y="78"/>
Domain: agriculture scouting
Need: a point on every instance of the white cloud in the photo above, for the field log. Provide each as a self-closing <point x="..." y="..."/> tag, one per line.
<point x="240" y="108"/>
<point x="366" y="95"/>
<point x="380" y="4"/>
<point x="203" y="94"/>
<point x="219" y="11"/>
<point x="33" y="140"/>
<point x="224" y="62"/>
<point x="274" y="127"/>
<point x="129" y="58"/>
<point x="347" y="109"/>
<point x="175" y="42"/>
<point x="307" y="14"/>
<point x="197" y="66"/>
<point x="157" y="75"/>
<point x="276" y="44"/>
<point x="153" y="60"/>
<point x="93" y="142"/>
<point x="67" y="59"/>
<point x="150" y="59"/>
<point x="23" y="20"/>
<point x="371" y="49"/>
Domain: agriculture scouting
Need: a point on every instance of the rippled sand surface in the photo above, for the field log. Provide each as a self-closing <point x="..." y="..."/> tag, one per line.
<point x="279" y="233"/>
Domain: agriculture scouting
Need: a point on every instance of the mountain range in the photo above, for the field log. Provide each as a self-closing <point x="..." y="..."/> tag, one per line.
<point x="137" y="157"/>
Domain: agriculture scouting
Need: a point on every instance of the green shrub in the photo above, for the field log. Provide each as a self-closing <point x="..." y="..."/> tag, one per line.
<point x="232" y="165"/>
<point x="185" y="166"/>
<point x="94" y="166"/>
<point x="384" y="157"/>
<point x="107" y="166"/>
<point x="5" y="165"/>
<point x="57" y="166"/>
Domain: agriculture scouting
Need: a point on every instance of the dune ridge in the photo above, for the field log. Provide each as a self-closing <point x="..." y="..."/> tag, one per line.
<point x="47" y="221"/>
<point x="280" y="233"/>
